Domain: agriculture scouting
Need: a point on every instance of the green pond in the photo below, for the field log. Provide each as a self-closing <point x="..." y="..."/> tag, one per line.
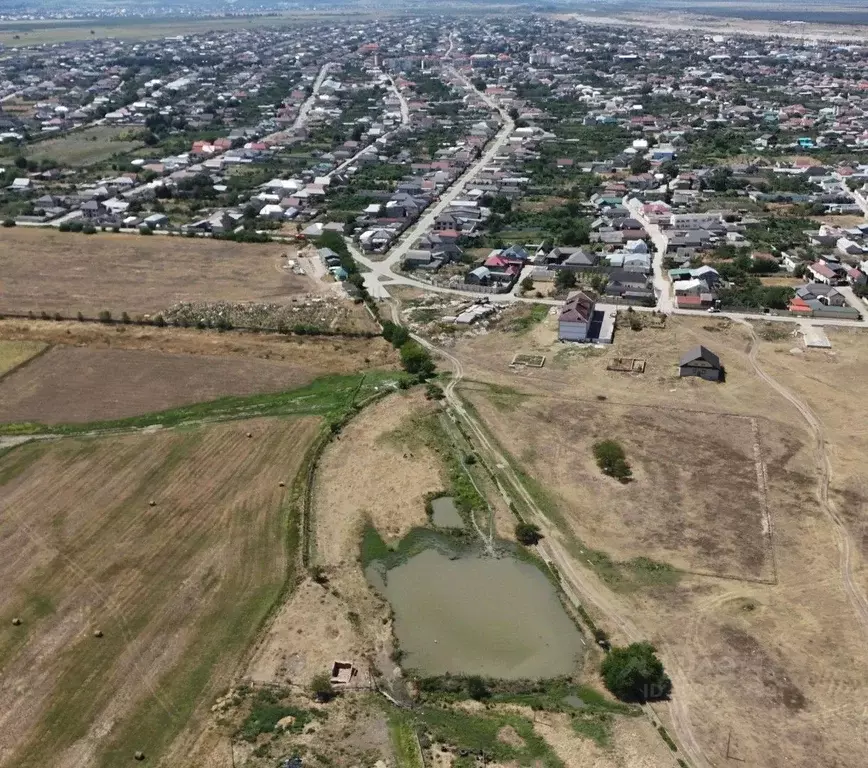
<point x="444" y="513"/>
<point x="478" y="615"/>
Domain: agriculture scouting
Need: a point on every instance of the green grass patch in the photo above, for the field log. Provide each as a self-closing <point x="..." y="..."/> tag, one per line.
<point x="664" y="734"/>
<point x="404" y="743"/>
<point x="374" y="548"/>
<point x="267" y="711"/>
<point x="479" y="734"/>
<point x="505" y="398"/>
<point x="332" y="397"/>
<point x="597" y="727"/>
<point x="528" y="319"/>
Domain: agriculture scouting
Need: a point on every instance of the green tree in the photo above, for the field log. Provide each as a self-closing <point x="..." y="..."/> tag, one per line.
<point x="670" y="168"/>
<point x="434" y="391"/>
<point x="416" y="359"/>
<point x="321" y="688"/>
<point x="612" y="460"/>
<point x="21" y="162"/>
<point x="396" y="335"/>
<point x="528" y="534"/>
<point x="527" y="284"/>
<point x="639" y="165"/>
<point x="476" y="688"/>
<point x="501" y="204"/>
<point x="599" y="281"/>
<point x="635" y="673"/>
<point x="565" y="280"/>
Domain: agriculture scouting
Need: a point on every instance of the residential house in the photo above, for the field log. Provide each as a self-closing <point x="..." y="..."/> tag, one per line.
<point x="702" y="362"/>
<point x="574" y="321"/>
<point x="827" y="273"/>
<point x="814" y="296"/>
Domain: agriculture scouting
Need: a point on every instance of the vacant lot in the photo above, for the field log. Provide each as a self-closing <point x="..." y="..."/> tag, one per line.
<point x="14" y="353"/>
<point x="178" y="589"/>
<point x="393" y="499"/>
<point x="49" y="271"/>
<point x="740" y="650"/>
<point x="75" y="384"/>
<point x="687" y="467"/>
<point x="87" y="147"/>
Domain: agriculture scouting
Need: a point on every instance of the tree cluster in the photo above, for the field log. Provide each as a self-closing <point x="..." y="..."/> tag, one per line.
<point x="635" y="673"/>
<point x="612" y="460"/>
<point x="415" y="359"/>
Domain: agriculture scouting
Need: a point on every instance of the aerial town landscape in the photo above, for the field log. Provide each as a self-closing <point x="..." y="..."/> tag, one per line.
<point x="433" y="387"/>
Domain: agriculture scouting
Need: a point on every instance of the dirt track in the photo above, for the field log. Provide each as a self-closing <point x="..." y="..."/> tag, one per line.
<point x="738" y="652"/>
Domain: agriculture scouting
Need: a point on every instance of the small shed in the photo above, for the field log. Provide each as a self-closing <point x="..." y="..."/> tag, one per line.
<point x="702" y="362"/>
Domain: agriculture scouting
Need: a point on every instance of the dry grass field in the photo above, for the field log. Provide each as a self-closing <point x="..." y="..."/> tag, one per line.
<point x="49" y="271"/>
<point x="687" y="466"/>
<point x="787" y="651"/>
<point x="394" y="501"/>
<point x="95" y="372"/>
<point x="333" y="355"/>
<point x="76" y="384"/>
<point x="86" y="147"/>
<point x="178" y="590"/>
<point x="14" y="353"/>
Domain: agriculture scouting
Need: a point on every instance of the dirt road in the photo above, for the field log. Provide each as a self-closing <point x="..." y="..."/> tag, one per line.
<point x="842" y="537"/>
<point x="578" y="585"/>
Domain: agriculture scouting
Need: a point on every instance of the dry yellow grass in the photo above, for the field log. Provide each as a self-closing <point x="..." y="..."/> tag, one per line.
<point x="381" y="478"/>
<point x="788" y="654"/>
<point x="178" y="589"/>
<point x="14" y="353"/>
<point x="49" y="271"/>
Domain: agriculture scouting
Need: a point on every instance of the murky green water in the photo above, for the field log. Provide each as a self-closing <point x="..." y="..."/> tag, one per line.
<point x="444" y="513"/>
<point x="477" y="615"/>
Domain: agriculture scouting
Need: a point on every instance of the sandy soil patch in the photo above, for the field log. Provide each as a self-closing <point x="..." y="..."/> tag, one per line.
<point x="178" y="589"/>
<point x="370" y="474"/>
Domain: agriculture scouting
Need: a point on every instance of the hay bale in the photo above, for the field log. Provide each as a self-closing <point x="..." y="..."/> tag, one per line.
<point x="249" y="434"/>
<point x="97" y="633"/>
<point x="152" y="503"/>
<point x="16" y="622"/>
<point x="139" y="756"/>
<point x="281" y="484"/>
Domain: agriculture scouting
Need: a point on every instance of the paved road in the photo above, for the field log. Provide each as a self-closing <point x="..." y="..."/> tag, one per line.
<point x="660" y="241"/>
<point x="405" y="107"/>
<point x="426" y="220"/>
<point x="308" y="103"/>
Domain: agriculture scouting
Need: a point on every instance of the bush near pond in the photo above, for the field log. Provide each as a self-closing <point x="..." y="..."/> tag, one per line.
<point x="528" y="534"/>
<point x="635" y="673"/>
